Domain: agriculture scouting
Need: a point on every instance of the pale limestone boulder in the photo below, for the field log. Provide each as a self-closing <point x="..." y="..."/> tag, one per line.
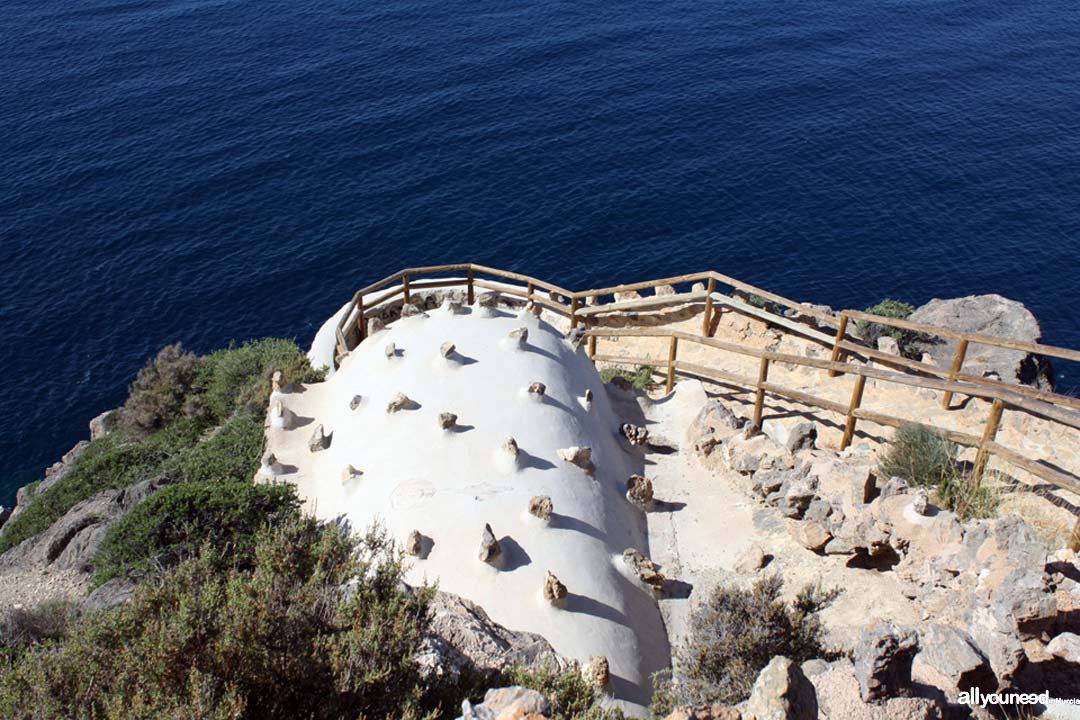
<point x="781" y="692"/>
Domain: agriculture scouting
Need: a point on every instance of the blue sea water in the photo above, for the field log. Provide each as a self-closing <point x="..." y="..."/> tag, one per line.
<point x="210" y="170"/>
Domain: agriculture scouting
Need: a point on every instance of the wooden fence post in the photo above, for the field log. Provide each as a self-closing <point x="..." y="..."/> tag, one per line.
<point x="405" y="285"/>
<point x="957" y="363"/>
<point x="362" y="326"/>
<point x="529" y="292"/>
<point x="573" y="312"/>
<point x="592" y="347"/>
<point x="837" y="351"/>
<point x="759" y="396"/>
<point x="673" y="351"/>
<point x="707" y="322"/>
<point x="989" y="433"/>
<point x="469" y="292"/>
<point x="856" y="401"/>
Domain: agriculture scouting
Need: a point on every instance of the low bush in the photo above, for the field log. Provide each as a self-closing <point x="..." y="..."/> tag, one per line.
<point x="320" y="626"/>
<point x="167" y="427"/>
<point x="924" y="458"/>
<point x="920" y="455"/>
<point x="734" y="634"/>
<point x="238" y="378"/>
<point x="639" y="379"/>
<point x="160" y="391"/>
<point x="908" y="341"/>
<point x="172" y="525"/>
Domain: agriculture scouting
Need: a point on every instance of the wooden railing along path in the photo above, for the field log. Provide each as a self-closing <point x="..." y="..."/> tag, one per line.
<point x="586" y="307"/>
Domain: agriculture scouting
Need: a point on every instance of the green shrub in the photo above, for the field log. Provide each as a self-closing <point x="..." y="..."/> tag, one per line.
<point x="907" y="340"/>
<point x="639" y="379"/>
<point x="926" y="459"/>
<point x="238" y="378"/>
<point x="230" y="388"/>
<point x="173" y="524"/>
<point x="160" y="391"/>
<point x="110" y="462"/>
<point x="319" y="627"/>
<point x="734" y="634"/>
<point x="920" y="455"/>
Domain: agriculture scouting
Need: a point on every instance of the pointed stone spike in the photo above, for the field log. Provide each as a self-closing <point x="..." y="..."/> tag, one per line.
<point x="554" y="591"/>
<point x="639" y="490"/>
<point x="511" y="447"/>
<point x="400" y="401"/>
<point x="489" y="546"/>
<point x="410" y="310"/>
<point x="355" y="402"/>
<point x="350" y="473"/>
<point x="414" y="545"/>
<point x="319" y="440"/>
<point x="390" y="351"/>
<point x="580" y="456"/>
<point x="519" y="336"/>
<point x="537" y="390"/>
<point x="447" y="349"/>
<point x="447" y="420"/>
<point x="597" y="672"/>
<point x="374" y="325"/>
<point x="276" y="382"/>
<point x="541" y="507"/>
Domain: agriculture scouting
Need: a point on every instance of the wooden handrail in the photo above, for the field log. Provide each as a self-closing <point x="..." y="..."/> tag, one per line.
<point x="853" y="412"/>
<point x="1053" y="406"/>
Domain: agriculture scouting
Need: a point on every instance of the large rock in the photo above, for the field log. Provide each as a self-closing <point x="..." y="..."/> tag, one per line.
<point x="781" y="692"/>
<point x="463" y="638"/>
<point x="793" y="433"/>
<point x="883" y="660"/>
<point x="989" y="315"/>
<point x="949" y="661"/>
<point x="713" y="425"/>
<point x="1066" y="646"/>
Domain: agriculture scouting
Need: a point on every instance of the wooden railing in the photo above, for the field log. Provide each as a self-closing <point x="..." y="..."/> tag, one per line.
<point x="587" y="307"/>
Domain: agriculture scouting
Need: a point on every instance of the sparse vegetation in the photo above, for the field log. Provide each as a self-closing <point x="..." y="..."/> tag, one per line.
<point x="734" y="634"/>
<point x="921" y="456"/>
<point x="907" y="340"/>
<point x="192" y="419"/>
<point x="318" y="625"/>
<point x="639" y="379"/>
<point x="924" y="458"/>
<point x="171" y="526"/>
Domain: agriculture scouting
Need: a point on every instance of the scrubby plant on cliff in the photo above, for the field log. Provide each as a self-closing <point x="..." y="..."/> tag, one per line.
<point x="925" y="458"/>
<point x="317" y="625"/>
<point x="161" y="391"/>
<point x="208" y="428"/>
<point x="171" y="526"/>
<point x="320" y="626"/>
<point x="907" y="340"/>
<point x="734" y="634"/>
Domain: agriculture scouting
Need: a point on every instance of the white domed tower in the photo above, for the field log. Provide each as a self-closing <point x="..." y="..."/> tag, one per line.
<point x="447" y="427"/>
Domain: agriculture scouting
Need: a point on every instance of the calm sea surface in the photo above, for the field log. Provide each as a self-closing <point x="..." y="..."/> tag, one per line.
<point x="214" y="170"/>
